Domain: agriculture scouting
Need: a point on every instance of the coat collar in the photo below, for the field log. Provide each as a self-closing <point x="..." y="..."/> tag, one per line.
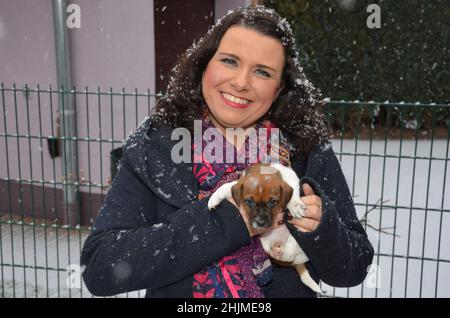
<point x="148" y="150"/>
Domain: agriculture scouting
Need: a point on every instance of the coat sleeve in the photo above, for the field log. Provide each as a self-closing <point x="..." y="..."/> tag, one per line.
<point x="128" y="250"/>
<point x="338" y="249"/>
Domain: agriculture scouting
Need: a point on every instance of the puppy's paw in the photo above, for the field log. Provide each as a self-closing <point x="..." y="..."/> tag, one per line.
<point x="223" y="192"/>
<point x="276" y="250"/>
<point x="214" y="201"/>
<point x="296" y="207"/>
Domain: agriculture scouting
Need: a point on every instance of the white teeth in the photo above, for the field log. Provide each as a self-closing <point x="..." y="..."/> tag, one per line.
<point x="234" y="99"/>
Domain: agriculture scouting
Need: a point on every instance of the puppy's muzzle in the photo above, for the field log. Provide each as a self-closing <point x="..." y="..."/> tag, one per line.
<point x="261" y="218"/>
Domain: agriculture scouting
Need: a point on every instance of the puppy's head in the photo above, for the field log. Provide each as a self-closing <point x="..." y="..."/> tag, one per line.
<point x="262" y="194"/>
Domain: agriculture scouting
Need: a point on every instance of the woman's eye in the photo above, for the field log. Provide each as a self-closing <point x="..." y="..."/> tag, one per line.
<point x="262" y="73"/>
<point x="229" y="61"/>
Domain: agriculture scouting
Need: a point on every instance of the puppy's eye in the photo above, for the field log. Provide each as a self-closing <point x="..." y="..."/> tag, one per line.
<point x="249" y="202"/>
<point x="272" y="202"/>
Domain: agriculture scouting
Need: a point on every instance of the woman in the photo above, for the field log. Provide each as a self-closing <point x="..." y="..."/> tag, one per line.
<point x="154" y="230"/>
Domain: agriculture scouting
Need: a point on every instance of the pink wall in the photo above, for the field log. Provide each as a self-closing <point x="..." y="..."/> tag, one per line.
<point x="222" y="6"/>
<point x="115" y="45"/>
<point x="27" y="48"/>
<point x="114" y="48"/>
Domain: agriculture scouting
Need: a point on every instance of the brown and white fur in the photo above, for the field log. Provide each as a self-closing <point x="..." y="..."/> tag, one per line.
<point x="263" y="191"/>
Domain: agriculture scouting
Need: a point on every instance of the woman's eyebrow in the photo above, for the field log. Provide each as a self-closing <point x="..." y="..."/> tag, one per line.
<point x="238" y="59"/>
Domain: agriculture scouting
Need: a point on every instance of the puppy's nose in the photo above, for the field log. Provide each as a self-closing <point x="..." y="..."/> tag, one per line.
<point x="261" y="222"/>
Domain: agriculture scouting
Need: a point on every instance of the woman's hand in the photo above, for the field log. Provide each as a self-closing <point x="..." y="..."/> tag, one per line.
<point x="313" y="212"/>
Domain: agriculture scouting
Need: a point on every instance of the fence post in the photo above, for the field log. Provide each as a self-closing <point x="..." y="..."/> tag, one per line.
<point x="67" y="113"/>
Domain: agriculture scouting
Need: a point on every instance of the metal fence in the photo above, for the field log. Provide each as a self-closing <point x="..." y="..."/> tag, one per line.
<point x="394" y="157"/>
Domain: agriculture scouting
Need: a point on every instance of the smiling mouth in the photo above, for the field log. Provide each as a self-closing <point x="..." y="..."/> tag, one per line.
<point x="235" y="100"/>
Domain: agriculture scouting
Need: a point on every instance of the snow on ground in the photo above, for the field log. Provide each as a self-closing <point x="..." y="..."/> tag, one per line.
<point x="419" y="188"/>
<point x="36" y="253"/>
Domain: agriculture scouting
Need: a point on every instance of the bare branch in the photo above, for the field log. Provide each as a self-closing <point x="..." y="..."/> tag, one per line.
<point x="365" y="221"/>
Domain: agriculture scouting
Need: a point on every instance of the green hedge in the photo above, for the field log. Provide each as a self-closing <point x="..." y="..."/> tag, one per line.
<point x="407" y="59"/>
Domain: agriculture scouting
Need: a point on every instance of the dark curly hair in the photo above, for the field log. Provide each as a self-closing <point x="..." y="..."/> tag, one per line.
<point x="298" y="108"/>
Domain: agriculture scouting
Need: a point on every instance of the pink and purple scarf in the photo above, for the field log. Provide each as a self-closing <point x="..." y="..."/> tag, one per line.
<point x="243" y="273"/>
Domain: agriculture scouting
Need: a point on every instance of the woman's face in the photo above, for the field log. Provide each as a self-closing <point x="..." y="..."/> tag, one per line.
<point x="243" y="78"/>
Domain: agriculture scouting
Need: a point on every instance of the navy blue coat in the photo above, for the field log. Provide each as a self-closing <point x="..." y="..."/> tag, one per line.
<point x="152" y="233"/>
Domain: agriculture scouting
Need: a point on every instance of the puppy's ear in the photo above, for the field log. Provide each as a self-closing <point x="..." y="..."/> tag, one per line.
<point x="236" y="193"/>
<point x="285" y="193"/>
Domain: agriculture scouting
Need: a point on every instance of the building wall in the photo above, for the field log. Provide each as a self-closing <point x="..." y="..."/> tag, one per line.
<point x="114" y="48"/>
<point x="26" y="43"/>
<point x="222" y="6"/>
<point x="177" y="24"/>
<point x="115" y="45"/>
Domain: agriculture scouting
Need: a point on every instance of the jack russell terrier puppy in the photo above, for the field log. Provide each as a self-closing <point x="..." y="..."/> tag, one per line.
<point x="263" y="192"/>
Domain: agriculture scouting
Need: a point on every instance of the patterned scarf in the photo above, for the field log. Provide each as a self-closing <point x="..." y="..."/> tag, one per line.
<point x="242" y="273"/>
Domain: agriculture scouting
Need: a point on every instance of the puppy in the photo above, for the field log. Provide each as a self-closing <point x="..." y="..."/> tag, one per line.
<point x="263" y="192"/>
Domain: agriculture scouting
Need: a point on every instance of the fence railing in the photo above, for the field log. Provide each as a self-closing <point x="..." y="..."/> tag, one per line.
<point x="394" y="156"/>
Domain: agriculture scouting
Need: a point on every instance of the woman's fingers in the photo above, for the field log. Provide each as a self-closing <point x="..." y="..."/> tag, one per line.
<point x="305" y="224"/>
<point x="313" y="212"/>
<point x="307" y="190"/>
<point x="312" y="200"/>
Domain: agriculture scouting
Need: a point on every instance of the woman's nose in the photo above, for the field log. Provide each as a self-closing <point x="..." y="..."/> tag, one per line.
<point x="240" y="81"/>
